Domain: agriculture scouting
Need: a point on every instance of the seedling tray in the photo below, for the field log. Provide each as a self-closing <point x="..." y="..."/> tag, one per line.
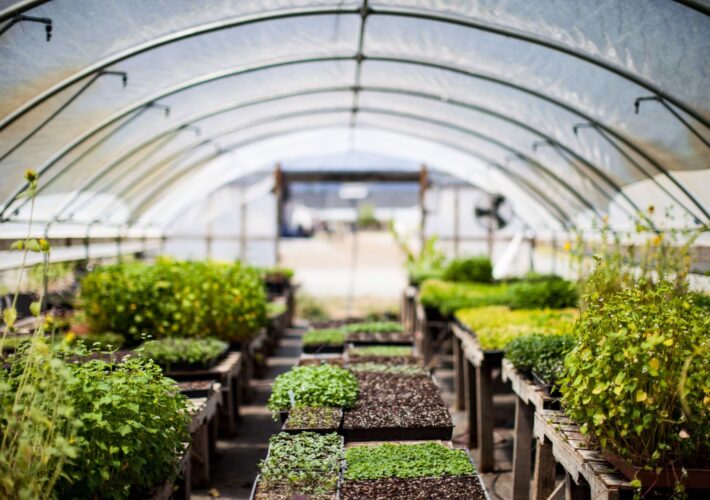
<point x="548" y="387"/>
<point x="379" y="339"/>
<point x="398" y="433"/>
<point x="255" y="486"/>
<point x="198" y="366"/>
<point x="329" y="430"/>
<point x="697" y="479"/>
<point x="323" y="349"/>
<point x="198" y="393"/>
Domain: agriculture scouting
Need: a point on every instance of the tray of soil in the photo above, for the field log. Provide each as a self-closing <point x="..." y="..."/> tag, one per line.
<point x="320" y="359"/>
<point x="412" y="370"/>
<point x="184" y="354"/>
<point x="197" y="388"/>
<point x="397" y="407"/>
<point x="420" y="471"/>
<point x="307" y="464"/>
<point x="380" y="338"/>
<point x="381" y="354"/>
<point x="327" y="341"/>
<point x="320" y="420"/>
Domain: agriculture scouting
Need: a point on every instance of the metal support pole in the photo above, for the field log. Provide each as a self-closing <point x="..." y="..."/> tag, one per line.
<point x="243" y="225"/>
<point x="423" y="185"/>
<point x="457" y="221"/>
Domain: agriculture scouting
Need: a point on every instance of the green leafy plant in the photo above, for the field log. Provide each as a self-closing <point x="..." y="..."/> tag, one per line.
<point x="381" y="350"/>
<point x="541" y="292"/>
<point x="448" y="297"/>
<point x="102" y="341"/>
<point x="301" y="464"/>
<point x="429" y="264"/>
<point x="37" y="424"/>
<point x="637" y="382"/>
<point x="314" y="386"/>
<point x="496" y="326"/>
<point x="170" y="298"/>
<point x="171" y="351"/>
<point x="405" y="460"/>
<point x="330" y="336"/>
<point x="374" y="327"/>
<point x="275" y="308"/>
<point x="472" y="269"/>
<point x="310" y="308"/>
<point x="134" y="428"/>
<point x="542" y="354"/>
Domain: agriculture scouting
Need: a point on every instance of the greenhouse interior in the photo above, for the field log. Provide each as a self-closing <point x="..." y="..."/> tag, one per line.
<point x="355" y="249"/>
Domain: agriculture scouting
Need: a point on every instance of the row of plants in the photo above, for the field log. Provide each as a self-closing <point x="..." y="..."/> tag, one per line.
<point x="331" y="340"/>
<point x="530" y="292"/>
<point x="496" y="326"/>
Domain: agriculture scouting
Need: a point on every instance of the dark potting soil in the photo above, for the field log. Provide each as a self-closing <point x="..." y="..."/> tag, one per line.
<point x="284" y="493"/>
<point x="379" y="337"/>
<point x="389" y="400"/>
<point x="314" y="418"/>
<point x="395" y="360"/>
<point x="424" y="488"/>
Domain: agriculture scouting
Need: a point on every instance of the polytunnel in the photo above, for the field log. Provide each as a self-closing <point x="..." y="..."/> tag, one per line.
<point x="538" y="133"/>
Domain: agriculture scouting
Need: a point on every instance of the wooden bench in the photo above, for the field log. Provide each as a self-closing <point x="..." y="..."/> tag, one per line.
<point x="588" y="474"/>
<point x="531" y="398"/>
<point x="203" y="428"/>
<point x="474" y="367"/>
<point x="229" y="374"/>
<point x="180" y="489"/>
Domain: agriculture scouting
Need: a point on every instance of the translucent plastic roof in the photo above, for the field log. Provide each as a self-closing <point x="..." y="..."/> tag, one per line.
<point x="133" y="108"/>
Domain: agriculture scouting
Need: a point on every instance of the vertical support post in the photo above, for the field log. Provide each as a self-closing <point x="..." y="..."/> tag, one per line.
<point x="533" y="244"/>
<point x="243" y="225"/>
<point x="200" y="456"/>
<point x="554" y="253"/>
<point x="484" y="389"/>
<point x="544" y="476"/>
<point x="423" y="185"/>
<point x="574" y="491"/>
<point x="457" y="221"/>
<point x="459" y="381"/>
<point x="210" y="218"/>
<point x="524" y="414"/>
<point x="279" y="193"/>
<point x="471" y="403"/>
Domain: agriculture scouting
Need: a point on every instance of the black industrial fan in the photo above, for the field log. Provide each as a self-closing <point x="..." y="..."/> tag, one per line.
<point x="493" y="212"/>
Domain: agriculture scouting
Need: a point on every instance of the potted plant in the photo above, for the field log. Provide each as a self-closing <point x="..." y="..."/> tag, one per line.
<point x="541" y="357"/>
<point x="410" y="470"/>
<point x="637" y="382"/>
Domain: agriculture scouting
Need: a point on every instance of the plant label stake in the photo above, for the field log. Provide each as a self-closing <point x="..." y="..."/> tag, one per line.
<point x="292" y="397"/>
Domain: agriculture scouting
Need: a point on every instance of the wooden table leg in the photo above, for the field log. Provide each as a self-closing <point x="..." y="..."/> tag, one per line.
<point x="471" y="403"/>
<point x="574" y="491"/>
<point x="484" y="389"/>
<point x="544" y="476"/>
<point x="200" y="456"/>
<point x="227" y="416"/>
<point x="459" y="384"/>
<point x="524" y="414"/>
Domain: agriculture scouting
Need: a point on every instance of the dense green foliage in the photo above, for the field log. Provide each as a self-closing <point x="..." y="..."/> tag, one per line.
<point x="314" y="386"/>
<point x="302" y="464"/>
<point x="381" y="350"/>
<point x="470" y="270"/>
<point x="170" y="298"/>
<point x="275" y="308"/>
<point x="330" y="336"/>
<point x="542" y="354"/>
<point x="405" y="460"/>
<point x="170" y="351"/>
<point x="541" y="292"/>
<point x="639" y="380"/>
<point x="374" y="327"/>
<point x="133" y="429"/>
<point x="449" y="297"/>
<point x="496" y="326"/>
<point x="276" y="273"/>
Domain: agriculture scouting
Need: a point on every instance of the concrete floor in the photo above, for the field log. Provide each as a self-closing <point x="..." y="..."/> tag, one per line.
<point x="235" y="471"/>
